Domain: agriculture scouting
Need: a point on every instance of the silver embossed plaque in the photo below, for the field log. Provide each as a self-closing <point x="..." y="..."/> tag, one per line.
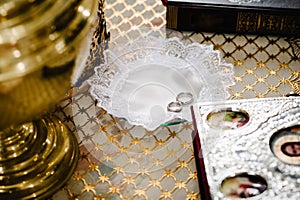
<point x="250" y="148"/>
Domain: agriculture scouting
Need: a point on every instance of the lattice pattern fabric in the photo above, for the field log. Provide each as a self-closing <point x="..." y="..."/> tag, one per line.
<point x="264" y="67"/>
<point x="263" y="64"/>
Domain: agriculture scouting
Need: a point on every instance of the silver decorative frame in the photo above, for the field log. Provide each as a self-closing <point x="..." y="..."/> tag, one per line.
<point x="246" y="149"/>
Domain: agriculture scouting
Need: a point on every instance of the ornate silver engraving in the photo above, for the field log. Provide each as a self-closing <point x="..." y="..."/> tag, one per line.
<point x="247" y="149"/>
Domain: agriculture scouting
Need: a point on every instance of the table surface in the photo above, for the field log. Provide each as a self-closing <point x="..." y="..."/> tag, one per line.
<point x="160" y="164"/>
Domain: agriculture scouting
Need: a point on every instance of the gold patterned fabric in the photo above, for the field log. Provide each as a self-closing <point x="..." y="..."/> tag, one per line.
<point x="121" y="161"/>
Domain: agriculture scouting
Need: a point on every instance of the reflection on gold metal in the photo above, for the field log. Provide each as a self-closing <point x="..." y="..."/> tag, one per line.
<point x="36" y="158"/>
<point x="101" y="36"/>
<point x="39" y="42"/>
<point x="38" y="46"/>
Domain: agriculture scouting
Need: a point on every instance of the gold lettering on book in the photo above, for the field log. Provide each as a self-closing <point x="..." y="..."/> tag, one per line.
<point x="271" y="23"/>
<point x="252" y="22"/>
<point x="292" y="24"/>
<point x="247" y="22"/>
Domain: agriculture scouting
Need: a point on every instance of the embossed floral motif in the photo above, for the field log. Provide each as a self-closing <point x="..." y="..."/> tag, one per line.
<point x="249" y="148"/>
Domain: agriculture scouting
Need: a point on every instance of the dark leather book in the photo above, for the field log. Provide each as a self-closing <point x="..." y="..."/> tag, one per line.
<point x="259" y="17"/>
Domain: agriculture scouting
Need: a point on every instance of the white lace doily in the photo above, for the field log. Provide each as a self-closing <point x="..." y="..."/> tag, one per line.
<point x="137" y="81"/>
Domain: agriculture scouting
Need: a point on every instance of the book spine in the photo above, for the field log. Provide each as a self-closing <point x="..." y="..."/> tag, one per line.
<point x="200" y="164"/>
<point x="228" y="20"/>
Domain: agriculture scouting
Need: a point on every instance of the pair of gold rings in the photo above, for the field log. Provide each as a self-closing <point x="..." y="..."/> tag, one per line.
<point x="182" y="99"/>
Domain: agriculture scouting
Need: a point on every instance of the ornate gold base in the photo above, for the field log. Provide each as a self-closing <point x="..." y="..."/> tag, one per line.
<point x="36" y="159"/>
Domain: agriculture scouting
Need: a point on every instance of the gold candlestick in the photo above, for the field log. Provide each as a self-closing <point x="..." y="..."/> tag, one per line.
<point x="38" y="47"/>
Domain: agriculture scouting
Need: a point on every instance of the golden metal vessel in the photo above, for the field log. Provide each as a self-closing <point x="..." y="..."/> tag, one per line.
<point x="39" y="41"/>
